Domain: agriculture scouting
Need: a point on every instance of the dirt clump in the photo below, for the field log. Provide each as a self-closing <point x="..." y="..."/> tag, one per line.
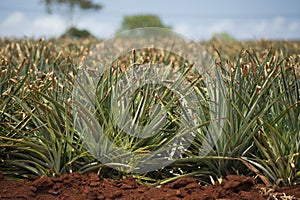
<point x="77" y="186"/>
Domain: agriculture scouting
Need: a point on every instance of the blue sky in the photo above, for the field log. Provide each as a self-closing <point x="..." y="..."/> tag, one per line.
<point x="197" y="19"/>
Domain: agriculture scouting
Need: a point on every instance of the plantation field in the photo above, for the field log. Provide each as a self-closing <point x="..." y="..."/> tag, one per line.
<point x="260" y="136"/>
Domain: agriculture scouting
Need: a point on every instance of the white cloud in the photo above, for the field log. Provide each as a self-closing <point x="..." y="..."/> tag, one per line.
<point x="221" y="26"/>
<point x="294" y="26"/>
<point x="279" y="22"/>
<point x="204" y="31"/>
<point x="259" y="27"/>
<point x="18" y="24"/>
<point x="182" y="29"/>
<point x="98" y="27"/>
<point x="49" y="25"/>
<point x="14" y="18"/>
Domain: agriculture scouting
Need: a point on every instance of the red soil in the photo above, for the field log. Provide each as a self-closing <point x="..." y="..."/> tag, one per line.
<point x="85" y="187"/>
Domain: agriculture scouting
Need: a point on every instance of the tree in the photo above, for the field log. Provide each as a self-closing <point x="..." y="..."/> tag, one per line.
<point x="141" y="21"/>
<point x="71" y="6"/>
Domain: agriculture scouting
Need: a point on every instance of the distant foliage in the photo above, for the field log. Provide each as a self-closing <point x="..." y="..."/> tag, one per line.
<point x="142" y="21"/>
<point x="223" y="36"/>
<point x="76" y="33"/>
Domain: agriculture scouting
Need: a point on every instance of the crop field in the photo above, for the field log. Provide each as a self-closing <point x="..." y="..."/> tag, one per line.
<point x="260" y="136"/>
